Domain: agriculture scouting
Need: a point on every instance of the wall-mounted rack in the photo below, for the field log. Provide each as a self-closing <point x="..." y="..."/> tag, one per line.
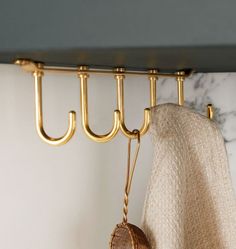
<point x="83" y="72"/>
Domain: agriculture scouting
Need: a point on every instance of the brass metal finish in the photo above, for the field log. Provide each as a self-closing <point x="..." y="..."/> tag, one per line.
<point x="38" y="71"/>
<point x="153" y="87"/>
<point x="127" y="235"/>
<point x="31" y="66"/>
<point x="130" y="173"/>
<point x="84" y="112"/>
<point x="210" y="111"/>
<point x="83" y="72"/>
<point x="180" y="86"/>
<point x="38" y="74"/>
<point x="119" y="76"/>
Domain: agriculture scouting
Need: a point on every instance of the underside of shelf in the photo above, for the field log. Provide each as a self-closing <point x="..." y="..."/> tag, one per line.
<point x="166" y="35"/>
<point x="212" y="59"/>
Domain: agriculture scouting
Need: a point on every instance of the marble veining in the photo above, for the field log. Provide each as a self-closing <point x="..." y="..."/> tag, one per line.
<point x="201" y="89"/>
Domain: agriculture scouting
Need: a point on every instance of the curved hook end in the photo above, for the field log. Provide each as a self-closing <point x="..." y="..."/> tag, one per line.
<point x="72" y="122"/>
<point x="147" y="120"/>
<point x="210" y="111"/>
<point x="61" y="140"/>
<point x="103" y="138"/>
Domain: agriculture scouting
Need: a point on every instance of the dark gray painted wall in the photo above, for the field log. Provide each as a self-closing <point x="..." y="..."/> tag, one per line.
<point x="108" y="32"/>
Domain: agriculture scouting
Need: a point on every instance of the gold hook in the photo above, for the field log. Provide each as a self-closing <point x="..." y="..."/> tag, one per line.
<point x="180" y="81"/>
<point x="38" y="74"/>
<point x="84" y="111"/>
<point x="119" y="76"/>
<point x="210" y="111"/>
<point x="180" y="86"/>
<point x="153" y="87"/>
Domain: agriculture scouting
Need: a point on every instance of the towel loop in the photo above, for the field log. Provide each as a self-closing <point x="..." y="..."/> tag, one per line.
<point x="127" y="235"/>
<point x="83" y="75"/>
<point x="130" y="174"/>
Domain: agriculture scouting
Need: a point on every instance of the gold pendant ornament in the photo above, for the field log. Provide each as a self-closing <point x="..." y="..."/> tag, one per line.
<point x="126" y="235"/>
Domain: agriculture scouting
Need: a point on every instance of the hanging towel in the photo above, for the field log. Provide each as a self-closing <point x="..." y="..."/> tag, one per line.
<point x="190" y="202"/>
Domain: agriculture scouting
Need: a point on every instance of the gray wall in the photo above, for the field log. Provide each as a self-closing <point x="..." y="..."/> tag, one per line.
<point x="165" y="34"/>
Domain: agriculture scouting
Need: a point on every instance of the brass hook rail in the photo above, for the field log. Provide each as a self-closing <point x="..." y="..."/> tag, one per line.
<point x="31" y="66"/>
<point x="38" y="69"/>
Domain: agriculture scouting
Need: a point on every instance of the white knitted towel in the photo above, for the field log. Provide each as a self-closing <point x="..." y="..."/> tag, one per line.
<point x="190" y="202"/>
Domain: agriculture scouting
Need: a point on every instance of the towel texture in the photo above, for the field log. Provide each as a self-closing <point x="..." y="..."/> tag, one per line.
<point x="190" y="202"/>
